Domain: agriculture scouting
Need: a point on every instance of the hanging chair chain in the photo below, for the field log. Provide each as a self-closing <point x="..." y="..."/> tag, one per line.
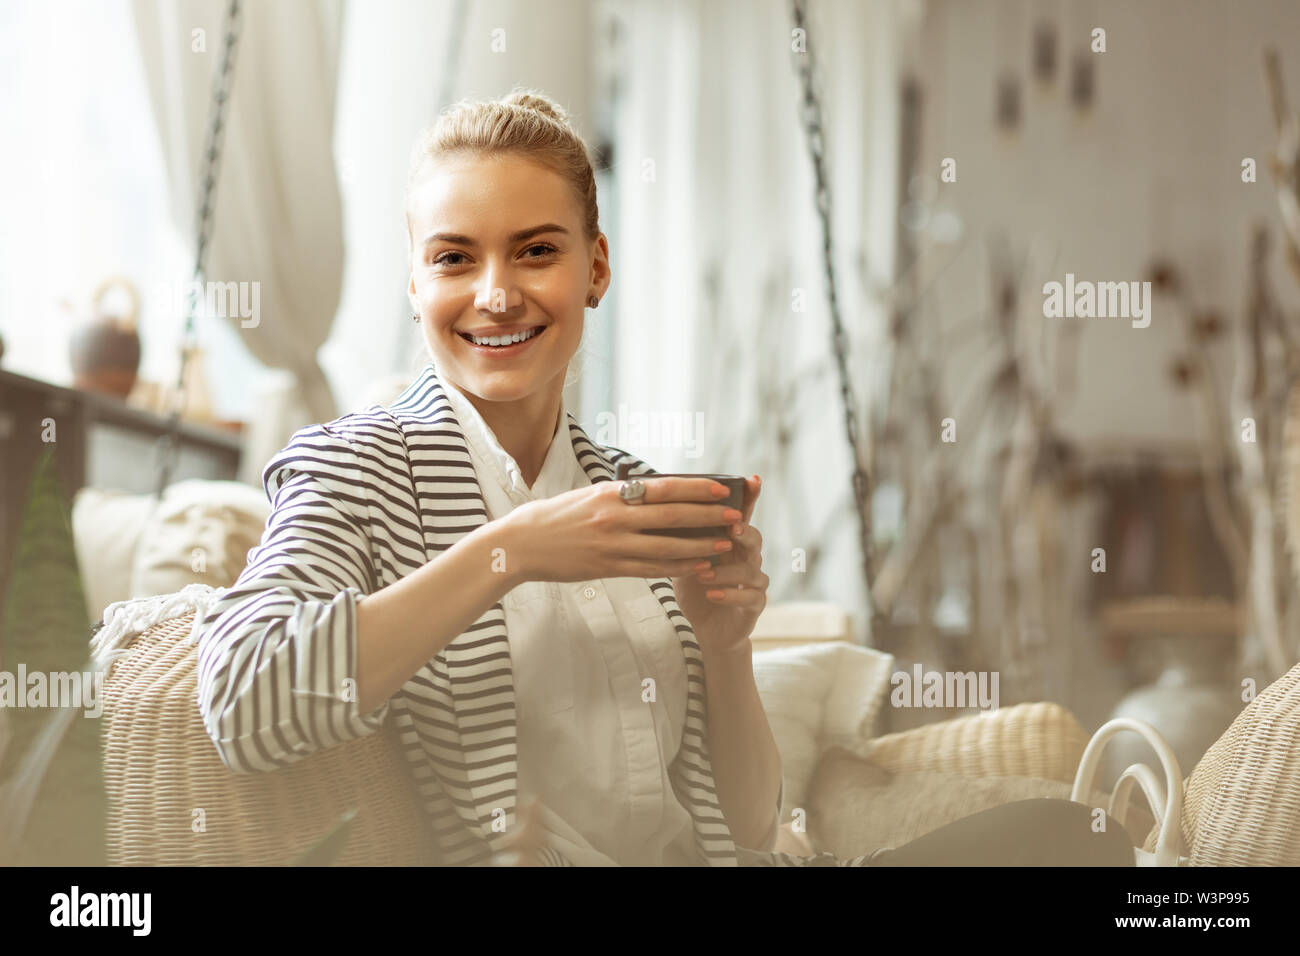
<point x="811" y="114"/>
<point x="221" y="89"/>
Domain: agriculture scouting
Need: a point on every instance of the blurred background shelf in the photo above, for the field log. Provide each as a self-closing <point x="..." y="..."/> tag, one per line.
<point x="99" y="441"/>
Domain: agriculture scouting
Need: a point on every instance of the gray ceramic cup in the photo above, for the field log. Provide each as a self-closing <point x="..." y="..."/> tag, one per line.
<point x="736" y="499"/>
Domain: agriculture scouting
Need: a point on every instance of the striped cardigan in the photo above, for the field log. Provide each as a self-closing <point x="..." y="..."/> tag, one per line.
<point x="358" y="504"/>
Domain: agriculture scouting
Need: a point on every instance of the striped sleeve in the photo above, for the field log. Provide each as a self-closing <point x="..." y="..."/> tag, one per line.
<point x="277" y="653"/>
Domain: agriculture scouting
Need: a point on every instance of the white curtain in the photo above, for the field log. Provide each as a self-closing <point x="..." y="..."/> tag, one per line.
<point x="719" y="244"/>
<point x="277" y="219"/>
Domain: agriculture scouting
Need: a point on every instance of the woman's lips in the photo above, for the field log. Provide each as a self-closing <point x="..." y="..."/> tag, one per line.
<point x="505" y="351"/>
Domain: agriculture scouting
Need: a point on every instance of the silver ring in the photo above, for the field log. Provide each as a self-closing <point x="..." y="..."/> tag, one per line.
<point x="632" y="491"/>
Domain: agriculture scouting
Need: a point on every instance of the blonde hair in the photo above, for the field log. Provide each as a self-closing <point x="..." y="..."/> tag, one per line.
<point x="526" y="122"/>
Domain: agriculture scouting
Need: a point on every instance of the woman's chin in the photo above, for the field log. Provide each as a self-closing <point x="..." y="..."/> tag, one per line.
<point x="501" y="385"/>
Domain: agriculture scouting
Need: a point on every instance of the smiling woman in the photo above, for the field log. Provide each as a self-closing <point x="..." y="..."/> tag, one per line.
<point x="463" y="565"/>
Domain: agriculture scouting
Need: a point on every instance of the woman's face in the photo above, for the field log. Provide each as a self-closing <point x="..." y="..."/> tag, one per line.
<point x="497" y="248"/>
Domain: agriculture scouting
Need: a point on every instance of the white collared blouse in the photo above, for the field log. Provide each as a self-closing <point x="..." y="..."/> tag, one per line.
<point x="590" y="746"/>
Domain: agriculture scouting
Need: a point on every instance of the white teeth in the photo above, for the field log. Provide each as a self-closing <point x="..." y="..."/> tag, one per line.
<point x="503" y="339"/>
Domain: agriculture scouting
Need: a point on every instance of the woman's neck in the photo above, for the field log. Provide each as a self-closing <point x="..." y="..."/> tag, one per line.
<point x="524" y="427"/>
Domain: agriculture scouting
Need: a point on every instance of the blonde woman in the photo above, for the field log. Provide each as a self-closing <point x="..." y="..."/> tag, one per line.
<point x="463" y="564"/>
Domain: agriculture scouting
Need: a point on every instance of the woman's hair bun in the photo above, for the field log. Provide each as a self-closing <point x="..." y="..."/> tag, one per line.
<point x="538" y="101"/>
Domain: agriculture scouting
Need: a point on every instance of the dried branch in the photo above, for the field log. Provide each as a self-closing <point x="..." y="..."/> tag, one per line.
<point x="1286" y="157"/>
<point x="1225" y="520"/>
<point x="1251" y="387"/>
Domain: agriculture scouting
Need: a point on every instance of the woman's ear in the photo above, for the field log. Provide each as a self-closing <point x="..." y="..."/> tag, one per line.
<point x="601" y="275"/>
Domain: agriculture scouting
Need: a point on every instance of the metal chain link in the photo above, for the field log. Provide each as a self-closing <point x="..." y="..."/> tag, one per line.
<point x="168" y="444"/>
<point x="811" y="115"/>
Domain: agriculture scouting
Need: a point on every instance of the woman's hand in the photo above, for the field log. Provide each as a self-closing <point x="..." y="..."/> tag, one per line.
<point x="592" y="533"/>
<point x="723" y="603"/>
<point x="523" y="846"/>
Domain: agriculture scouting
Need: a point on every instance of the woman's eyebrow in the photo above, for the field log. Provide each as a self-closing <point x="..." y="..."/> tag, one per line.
<point x="519" y="236"/>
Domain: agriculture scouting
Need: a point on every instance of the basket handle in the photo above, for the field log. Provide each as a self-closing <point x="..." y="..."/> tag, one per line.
<point x="1151" y="785"/>
<point x="1167" y="843"/>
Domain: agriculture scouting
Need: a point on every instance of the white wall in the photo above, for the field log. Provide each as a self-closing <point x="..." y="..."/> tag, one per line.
<point x="1154" y="169"/>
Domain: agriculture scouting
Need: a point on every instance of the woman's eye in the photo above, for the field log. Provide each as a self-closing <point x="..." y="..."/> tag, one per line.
<point x="446" y="258"/>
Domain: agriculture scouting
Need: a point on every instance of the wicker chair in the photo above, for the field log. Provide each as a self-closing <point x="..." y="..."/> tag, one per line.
<point x="1242" y="801"/>
<point x="161" y="770"/>
<point x="171" y="801"/>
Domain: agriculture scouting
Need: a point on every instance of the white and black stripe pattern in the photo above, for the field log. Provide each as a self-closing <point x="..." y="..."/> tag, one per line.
<point x="358" y="504"/>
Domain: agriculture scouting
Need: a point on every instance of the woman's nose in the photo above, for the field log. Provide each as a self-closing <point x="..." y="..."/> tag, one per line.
<point x="497" y="292"/>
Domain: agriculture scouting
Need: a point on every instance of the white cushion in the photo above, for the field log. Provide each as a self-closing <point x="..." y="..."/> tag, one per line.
<point x="106" y="527"/>
<point x="131" y="546"/>
<point x="201" y="533"/>
<point x="818" y="695"/>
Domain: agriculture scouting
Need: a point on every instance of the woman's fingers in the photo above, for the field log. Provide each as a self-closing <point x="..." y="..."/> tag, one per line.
<point x="680" y="503"/>
<point x="668" y="548"/>
<point x="679" y="515"/>
<point x="752" y="487"/>
<point x="660" y="569"/>
<point x="733" y="575"/>
<point x="739" y="579"/>
<point x="739" y="596"/>
<point x="659" y="490"/>
<point x="637" y="554"/>
<point x="671" y="556"/>
<point x="749" y="540"/>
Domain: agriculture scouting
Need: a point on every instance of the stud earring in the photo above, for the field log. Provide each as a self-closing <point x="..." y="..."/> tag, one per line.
<point x="592" y="302"/>
<point x="415" y="318"/>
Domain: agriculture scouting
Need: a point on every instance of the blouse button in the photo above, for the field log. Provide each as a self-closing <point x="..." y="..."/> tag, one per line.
<point x="589" y="591"/>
